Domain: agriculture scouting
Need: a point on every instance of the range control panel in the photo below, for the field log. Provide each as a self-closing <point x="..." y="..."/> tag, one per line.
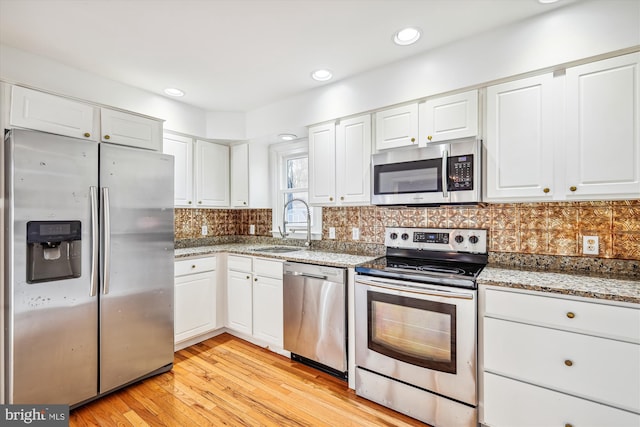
<point x="437" y="239"/>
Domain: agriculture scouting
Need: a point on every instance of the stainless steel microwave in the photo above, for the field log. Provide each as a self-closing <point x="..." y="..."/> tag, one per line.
<point x="447" y="173"/>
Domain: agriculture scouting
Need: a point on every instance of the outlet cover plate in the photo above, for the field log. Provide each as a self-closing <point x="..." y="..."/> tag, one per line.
<point x="590" y="245"/>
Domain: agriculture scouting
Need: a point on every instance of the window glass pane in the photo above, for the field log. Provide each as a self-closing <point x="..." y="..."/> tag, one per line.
<point x="296" y="213"/>
<point x="297" y="173"/>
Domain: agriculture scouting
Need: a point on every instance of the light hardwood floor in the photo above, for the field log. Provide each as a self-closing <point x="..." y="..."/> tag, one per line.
<point x="226" y="381"/>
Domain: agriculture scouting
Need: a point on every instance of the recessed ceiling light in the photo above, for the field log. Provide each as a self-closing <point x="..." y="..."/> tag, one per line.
<point x="406" y="36"/>
<point x="172" y="91"/>
<point x="321" y="75"/>
<point x="287" y="136"/>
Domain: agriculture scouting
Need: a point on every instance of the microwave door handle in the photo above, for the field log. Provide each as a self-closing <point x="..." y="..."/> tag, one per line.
<point x="445" y="175"/>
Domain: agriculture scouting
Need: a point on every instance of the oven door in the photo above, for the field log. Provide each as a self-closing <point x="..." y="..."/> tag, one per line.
<point x="424" y="336"/>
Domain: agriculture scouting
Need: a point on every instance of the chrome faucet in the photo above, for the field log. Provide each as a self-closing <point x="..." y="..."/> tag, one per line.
<point x="283" y="230"/>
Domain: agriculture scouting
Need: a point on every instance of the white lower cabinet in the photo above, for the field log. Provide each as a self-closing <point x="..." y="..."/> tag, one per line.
<point x="554" y="360"/>
<point x="254" y="299"/>
<point x="194" y="298"/>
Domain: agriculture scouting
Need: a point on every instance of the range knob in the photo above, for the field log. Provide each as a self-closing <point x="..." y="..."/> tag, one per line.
<point x="393" y="236"/>
<point x="404" y="236"/>
<point x="459" y="239"/>
<point x="473" y="239"/>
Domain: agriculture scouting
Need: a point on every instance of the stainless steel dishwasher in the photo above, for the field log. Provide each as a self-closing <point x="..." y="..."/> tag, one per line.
<point x="315" y="325"/>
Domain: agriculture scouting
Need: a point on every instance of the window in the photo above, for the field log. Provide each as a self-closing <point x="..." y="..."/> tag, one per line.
<point x="290" y="166"/>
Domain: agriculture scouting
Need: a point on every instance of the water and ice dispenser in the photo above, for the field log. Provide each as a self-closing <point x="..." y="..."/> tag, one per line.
<point x="53" y="250"/>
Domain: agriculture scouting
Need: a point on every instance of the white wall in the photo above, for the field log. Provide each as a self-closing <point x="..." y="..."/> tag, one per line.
<point x="578" y="31"/>
<point x="226" y="125"/>
<point x="17" y="66"/>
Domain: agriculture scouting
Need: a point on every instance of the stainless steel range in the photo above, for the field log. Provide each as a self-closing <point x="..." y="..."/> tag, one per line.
<point x="416" y="328"/>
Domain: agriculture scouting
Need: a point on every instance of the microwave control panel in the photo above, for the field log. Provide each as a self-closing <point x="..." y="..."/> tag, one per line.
<point x="460" y="173"/>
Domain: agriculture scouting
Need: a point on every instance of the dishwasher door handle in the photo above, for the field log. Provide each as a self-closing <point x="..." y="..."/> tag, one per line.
<point x="311" y="276"/>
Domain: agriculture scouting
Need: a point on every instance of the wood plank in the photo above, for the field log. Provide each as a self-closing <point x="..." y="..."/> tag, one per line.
<point x="228" y="381"/>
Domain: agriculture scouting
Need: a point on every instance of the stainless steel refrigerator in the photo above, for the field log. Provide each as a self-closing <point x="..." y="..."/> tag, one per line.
<point x="88" y="267"/>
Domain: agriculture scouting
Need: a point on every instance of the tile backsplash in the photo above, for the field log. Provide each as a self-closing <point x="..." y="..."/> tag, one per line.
<point x="527" y="228"/>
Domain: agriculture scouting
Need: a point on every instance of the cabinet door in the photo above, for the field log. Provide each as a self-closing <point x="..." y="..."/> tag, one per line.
<point x="194" y="305"/>
<point x="49" y="113"/>
<point x="267" y="310"/>
<point x="603" y="136"/>
<point x="211" y="174"/>
<point x="353" y="160"/>
<point x="240" y="175"/>
<point x="129" y="129"/>
<point x="322" y="164"/>
<point x="397" y="127"/>
<point x="181" y="148"/>
<point x="509" y="403"/>
<point x="449" y="117"/>
<point x="239" y="302"/>
<point x="519" y="139"/>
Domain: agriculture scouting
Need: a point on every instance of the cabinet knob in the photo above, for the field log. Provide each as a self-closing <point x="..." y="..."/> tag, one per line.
<point x="341" y="197"/>
<point x="568" y="425"/>
<point x="189" y="201"/>
<point x="199" y="202"/>
<point x="244" y="203"/>
<point x="331" y="199"/>
<point x="546" y="190"/>
<point x="255" y="280"/>
<point x="413" y="140"/>
<point x="429" y="137"/>
<point x="107" y="137"/>
<point x="193" y="266"/>
<point x="87" y="134"/>
<point x="568" y="362"/>
<point x="573" y="188"/>
<point x="571" y="315"/>
<point x="248" y="277"/>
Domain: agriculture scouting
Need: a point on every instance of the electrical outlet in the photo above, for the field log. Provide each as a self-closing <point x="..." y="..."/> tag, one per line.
<point x="590" y="245"/>
<point x="205" y="230"/>
<point x="332" y="232"/>
<point x="355" y="233"/>
<point x="252" y="229"/>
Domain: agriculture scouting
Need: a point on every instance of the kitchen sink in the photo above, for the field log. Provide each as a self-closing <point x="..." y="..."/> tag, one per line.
<point x="279" y="249"/>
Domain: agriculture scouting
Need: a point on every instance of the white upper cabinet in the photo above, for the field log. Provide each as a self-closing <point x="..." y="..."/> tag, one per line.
<point x="322" y="164"/>
<point x="353" y="160"/>
<point x="397" y="127"/>
<point x="211" y="174"/>
<point x="569" y="137"/>
<point x="449" y="117"/>
<point x="339" y="162"/>
<point x="240" y="175"/>
<point x="49" y="113"/>
<point x="602" y="128"/>
<point x="127" y="129"/>
<point x="181" y="148"/>
<point x="519" y="139"/>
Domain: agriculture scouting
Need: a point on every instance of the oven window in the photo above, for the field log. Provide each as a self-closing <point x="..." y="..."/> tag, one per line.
<point x="415" y="331"/>
<point x="421" y="176"/>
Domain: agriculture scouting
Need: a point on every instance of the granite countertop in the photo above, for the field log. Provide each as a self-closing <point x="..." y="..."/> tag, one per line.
<point x="307" y="256"/>
<point x="622" y="289"/>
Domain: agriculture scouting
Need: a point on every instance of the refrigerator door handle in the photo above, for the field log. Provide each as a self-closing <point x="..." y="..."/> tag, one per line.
<point x="95" y="241"/>
<point x="106" y="261"/>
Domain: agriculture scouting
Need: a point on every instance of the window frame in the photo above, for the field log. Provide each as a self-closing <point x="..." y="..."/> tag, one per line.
<point x="279" y="154"/>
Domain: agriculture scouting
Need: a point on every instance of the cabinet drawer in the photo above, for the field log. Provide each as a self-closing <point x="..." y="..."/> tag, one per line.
<point x="591" y="318"/>
<point x="239" y="263"/>
<point x="194" y="265"/>
<point x="601" y="369"/>
<point x="268" y="268"/>
<point x="512" y="403"/>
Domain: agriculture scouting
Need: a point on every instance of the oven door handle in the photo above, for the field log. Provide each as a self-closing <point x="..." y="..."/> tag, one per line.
<point x="415" y="289"/>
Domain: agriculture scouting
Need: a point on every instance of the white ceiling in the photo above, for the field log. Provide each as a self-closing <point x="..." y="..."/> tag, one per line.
<point x="238" y="55"/>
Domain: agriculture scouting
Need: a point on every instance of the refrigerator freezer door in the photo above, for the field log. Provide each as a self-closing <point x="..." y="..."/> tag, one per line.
<point x="136" y="296"/>
<point x="52" y="343"/>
